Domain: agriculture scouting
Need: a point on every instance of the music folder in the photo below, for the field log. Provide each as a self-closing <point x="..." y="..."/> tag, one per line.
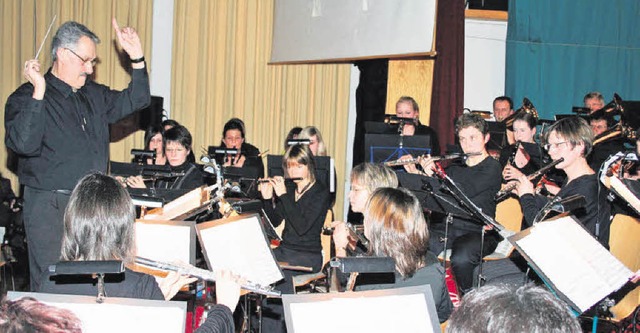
<point x="571" y="261"/>
<point x="409" y="309"/>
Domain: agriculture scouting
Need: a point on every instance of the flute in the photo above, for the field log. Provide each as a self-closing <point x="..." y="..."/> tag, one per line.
<point x="435" y="158"/>
<point x="203" y="274"/>
<point x="511" y="186"/>
<point x="266" y="180"/>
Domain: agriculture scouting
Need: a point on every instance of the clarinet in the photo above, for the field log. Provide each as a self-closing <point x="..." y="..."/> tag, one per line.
<point x="511" y="186"/>
<point x="512" y="158"/>
<point x="203" y="274"/>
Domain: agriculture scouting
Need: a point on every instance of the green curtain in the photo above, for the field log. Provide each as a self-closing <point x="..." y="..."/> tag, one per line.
<point x="559" y="50"/>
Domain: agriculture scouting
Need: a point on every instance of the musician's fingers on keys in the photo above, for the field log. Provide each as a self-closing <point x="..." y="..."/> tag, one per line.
<point x="410" y="168"/>
<point x="427" y="164"/>
<point x="524" y="185"/>
<point x="510" y="172"/>
<point x="227" y="289"/>
<point x="135" y="182"/>
<point x="172" y="283"/>
<point x="340" y="234"/>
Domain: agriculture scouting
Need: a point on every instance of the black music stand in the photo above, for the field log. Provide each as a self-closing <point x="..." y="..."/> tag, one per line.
<point x="387" y="147"/>
<point x="325" y="170"/>
<point x="498" y="136"/>
<point x="246" y="178"/>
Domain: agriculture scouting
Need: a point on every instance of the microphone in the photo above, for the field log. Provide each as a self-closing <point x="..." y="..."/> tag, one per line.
<point x="392" y="120"/>
<point x="568" y="204"/>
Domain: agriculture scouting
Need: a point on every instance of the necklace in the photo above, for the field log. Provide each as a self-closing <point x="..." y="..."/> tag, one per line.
<point x="304" y="189"/>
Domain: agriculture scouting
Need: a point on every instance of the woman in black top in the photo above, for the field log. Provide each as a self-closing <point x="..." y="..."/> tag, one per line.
<point x="233" y="137"/>
<point x="177" y="147"/>
<point x="528" y="157"/>
<point x="572" y="139"/>
<point x="154" y="140"/>
<point x="302" y="204"/>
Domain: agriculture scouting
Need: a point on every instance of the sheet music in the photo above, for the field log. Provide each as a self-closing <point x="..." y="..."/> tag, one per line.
<point x="118" y="314"/>
<point x="364" y="314"/>
<point x="241" y="247"/>
<point x="504" y="248"/>
<point x="572" y="260"/>
<point x="164" y="242"/>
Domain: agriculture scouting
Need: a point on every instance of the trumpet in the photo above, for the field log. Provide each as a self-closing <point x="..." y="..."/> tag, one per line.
<point x="416" y="160"/>
<point x="202" y="274"/>
<point x="527" y="107"/>
<point x="511" y="186"/>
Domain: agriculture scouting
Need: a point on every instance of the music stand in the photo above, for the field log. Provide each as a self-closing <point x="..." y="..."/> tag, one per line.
<point x="117" y="314"/>
<point x="364" y="311"/>
<point x="387" y="147"/>
<point x="239" y="244"/>
<point x="571" y="262"/>
<point x="498" y="136"/>
<point x="246" y="177"/>
<point x="325" y="169"/>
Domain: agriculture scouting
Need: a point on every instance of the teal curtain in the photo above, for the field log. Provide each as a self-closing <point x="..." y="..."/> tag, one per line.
<point x="559" y="50"/>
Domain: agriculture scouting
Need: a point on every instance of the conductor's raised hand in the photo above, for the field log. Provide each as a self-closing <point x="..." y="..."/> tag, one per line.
<point x="129" y="40"/>
<point x="32" y="73"/>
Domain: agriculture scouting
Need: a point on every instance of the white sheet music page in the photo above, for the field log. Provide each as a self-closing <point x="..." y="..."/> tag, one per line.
<point x="241" y="247"/>
<point x="397" y="313"/>
<point x="163" y="242"/>
<point x="575" y="262"/>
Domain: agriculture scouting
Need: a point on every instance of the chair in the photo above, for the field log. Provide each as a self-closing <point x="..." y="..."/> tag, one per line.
<point x="624" y="243"/>
<point x="509" y="215"/>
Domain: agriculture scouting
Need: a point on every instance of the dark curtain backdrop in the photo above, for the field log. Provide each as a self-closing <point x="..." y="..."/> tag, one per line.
<point x="558" y="50"/>
<point x="448" y="74"/>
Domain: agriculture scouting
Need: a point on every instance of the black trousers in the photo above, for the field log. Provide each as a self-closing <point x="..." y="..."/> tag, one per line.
<point x="465" y="251"/>
<point x="43" y="221"/>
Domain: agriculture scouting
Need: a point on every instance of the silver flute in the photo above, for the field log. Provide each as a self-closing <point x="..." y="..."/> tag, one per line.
<point x="206" y="275"/>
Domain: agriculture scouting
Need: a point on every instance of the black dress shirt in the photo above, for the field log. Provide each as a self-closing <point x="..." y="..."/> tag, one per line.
<point x="65" y="135"/>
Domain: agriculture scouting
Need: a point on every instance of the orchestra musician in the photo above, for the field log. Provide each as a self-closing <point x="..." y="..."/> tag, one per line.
<point x="572" y="139"/>
<point x="303" y="205"/>
<point x="600" y="124"/>
<point x="502" y="109"/>
<point x="233" y="137"/>
<point x="395" y="226"/>
<point x="58" y="125"/>
<point x="479" y="178"/>
<point x="154" y="140"/>
<point x="316" y="143"/>
<point x="528" y="157"/>
<point x="407" y="107"/>
<point x="177" y="147"/>
<point x="98" y="225"/>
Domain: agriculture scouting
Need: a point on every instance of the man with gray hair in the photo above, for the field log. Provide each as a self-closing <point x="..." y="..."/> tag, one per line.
<point x="58" y="125"/>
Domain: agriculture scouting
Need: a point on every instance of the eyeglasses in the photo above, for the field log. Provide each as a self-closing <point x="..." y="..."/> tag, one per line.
<point x="93" y="62"/>
<point x="548" y="146"/>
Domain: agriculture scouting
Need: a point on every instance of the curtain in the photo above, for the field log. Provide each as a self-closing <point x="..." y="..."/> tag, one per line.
<point x="220" y="70"/>
<point x="557" y="51"/>
<point x="448" y="73"/>
<point x="24" y="25"/>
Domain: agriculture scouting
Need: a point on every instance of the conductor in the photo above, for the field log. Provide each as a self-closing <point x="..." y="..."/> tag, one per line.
<point x="58" y="125"/>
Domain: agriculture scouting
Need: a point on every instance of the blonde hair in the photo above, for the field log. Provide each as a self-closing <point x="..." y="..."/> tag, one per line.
<point x="372" y="176"/>
<point x="395" y="226"/>
<point x="300" y="154"/>
<point x="310" y="131"/>
<point x="575" y="130"/>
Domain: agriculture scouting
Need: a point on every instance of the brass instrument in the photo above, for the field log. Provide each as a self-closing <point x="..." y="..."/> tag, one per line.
<point x="416" y="160"/>
<point x="527" y="107"/>
<point x="614" y="132"/>
<point x="611" y="109"/>
<point x="511" y="186"/>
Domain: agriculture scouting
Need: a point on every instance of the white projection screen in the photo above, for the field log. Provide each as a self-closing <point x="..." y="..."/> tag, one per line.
<point x="306" y="31"/>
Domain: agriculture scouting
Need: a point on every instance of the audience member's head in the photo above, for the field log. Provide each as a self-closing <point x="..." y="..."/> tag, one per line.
<point x="512" y="309"/>
<point x="316" y="143"/>
<point x="366" y="178"/>
<point x="395" y="226"/>
<point x="28" y="315"/>
<point x="98" y="221"/>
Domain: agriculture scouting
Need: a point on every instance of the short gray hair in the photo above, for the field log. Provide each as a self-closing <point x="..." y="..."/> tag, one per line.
<point x="513" y="309"/>
<point x="98" y="221"/>
<point x="67" y="36"/>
